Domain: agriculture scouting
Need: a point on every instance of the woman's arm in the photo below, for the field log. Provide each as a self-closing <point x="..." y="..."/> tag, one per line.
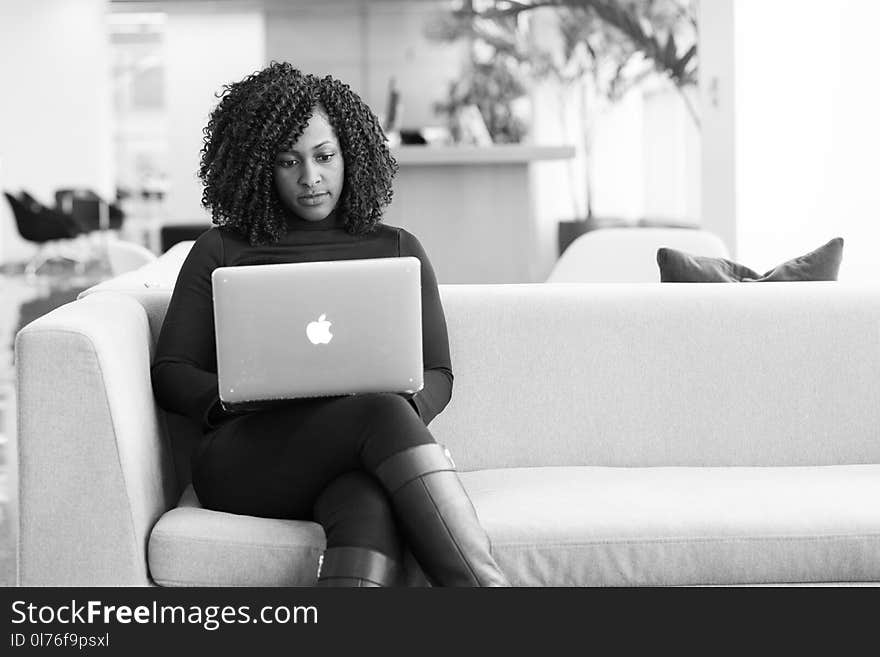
<point x="184" y="368"/>
<point x="437" y="391"/>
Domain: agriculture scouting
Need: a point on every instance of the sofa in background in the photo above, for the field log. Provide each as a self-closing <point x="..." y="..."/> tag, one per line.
<point x="609" y="434"/>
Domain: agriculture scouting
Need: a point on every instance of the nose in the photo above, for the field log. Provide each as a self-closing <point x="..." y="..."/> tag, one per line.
<point x="309" y="175"/>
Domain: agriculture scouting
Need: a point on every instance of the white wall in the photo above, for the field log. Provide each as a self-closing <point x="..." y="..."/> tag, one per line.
<point x="327" y="39"/>
<point x="55" y="116"/>
<point x="396" y="45"/>
<point x="617" y="165"/>
<point x="671" y="156"/>
<point x="717" y="108"/>
<point x="366" y="42"/>
<point x="203" y="51"/>
<point x="807" y="130"/>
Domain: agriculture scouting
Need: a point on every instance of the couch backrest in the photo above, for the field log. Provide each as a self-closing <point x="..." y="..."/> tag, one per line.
<point x="657" y="375"/>
<point x="664" y="374"/>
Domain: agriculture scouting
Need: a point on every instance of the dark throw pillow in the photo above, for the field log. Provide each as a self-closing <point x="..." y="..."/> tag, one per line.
<point x="680" y="267"/>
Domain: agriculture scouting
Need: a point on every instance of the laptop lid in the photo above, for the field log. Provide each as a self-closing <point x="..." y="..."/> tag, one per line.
<point x="316" y="329"/>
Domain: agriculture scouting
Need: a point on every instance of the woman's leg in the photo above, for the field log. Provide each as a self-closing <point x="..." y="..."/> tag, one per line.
<point x="275" y="463"/>
<point x="438" y="519"/>
<point x="434" y="511"/>
<point x="363" y="545"/>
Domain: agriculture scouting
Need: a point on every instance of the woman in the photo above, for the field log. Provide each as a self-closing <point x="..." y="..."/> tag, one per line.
<point x="296" y="169"/>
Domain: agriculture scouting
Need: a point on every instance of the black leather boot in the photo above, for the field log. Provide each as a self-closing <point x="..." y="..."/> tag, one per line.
<point x="438" y="519"/>
<point x="355" y="566"/>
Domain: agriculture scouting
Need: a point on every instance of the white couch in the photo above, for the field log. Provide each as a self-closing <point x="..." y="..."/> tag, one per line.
<point x="609" y="434"/>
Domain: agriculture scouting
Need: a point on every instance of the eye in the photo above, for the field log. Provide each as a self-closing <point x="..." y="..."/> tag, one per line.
<point x="286" y="163"/>
<point x="324" y="157"/>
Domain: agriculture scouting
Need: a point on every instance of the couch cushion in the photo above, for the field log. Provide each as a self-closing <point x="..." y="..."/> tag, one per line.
<point x="821" y="264"/>
<point x="587" y="526"/>
<point x="192" y="546"/>
<point x="576" y="526"/>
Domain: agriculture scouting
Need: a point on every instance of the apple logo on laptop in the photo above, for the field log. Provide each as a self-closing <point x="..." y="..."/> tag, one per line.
<point x="319" y="332"/>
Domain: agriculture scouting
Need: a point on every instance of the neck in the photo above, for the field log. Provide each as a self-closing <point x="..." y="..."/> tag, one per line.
<point x="331" y="221"/>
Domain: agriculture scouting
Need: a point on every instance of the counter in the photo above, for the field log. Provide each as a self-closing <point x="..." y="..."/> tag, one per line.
<point x="472" y="208"/>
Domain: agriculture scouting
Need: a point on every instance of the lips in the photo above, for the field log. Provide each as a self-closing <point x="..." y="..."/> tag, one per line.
<point x="313" y="199"/>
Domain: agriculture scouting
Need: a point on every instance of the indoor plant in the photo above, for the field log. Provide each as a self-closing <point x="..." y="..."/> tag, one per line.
<point x="604" y="49"/>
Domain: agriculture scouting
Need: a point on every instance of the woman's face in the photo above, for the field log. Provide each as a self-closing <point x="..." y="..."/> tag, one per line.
<point x="310" y="175"/>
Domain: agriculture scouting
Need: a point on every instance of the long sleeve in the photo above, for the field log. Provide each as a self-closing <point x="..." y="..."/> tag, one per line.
<point x="437" y="391"/>
<point x="184" y="370"/>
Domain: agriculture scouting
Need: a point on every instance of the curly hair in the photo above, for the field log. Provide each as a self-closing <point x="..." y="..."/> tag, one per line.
<point x="258" y="117"/>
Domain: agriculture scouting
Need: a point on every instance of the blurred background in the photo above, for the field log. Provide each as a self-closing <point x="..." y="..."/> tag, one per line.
<point x="517" y="127"/>
<point x="112" y="95"/>
<point x="754" y="119"/>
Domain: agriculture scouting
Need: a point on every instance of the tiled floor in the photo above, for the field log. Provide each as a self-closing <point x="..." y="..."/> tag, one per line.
<point x="23" y="299"/>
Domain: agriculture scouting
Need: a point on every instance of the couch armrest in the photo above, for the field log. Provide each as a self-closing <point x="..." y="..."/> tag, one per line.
<point x="95" y="472"/>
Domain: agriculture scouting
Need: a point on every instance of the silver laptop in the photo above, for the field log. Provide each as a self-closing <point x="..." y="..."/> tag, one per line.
<point x="318" y="329"/>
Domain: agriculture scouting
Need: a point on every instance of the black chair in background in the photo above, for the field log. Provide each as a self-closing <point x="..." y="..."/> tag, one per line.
<point x="53" y="232"/>
<point x="87" y="208"/>
<point x="37" y="223"/>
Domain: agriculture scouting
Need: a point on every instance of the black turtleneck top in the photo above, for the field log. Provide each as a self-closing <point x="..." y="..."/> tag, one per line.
<point x="184" y="370"/>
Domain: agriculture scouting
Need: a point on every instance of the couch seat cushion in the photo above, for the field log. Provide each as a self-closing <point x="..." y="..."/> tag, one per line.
<point x="587" y="526"/>
<point x="192" y="546"/>
<point x="596" y="526"/>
